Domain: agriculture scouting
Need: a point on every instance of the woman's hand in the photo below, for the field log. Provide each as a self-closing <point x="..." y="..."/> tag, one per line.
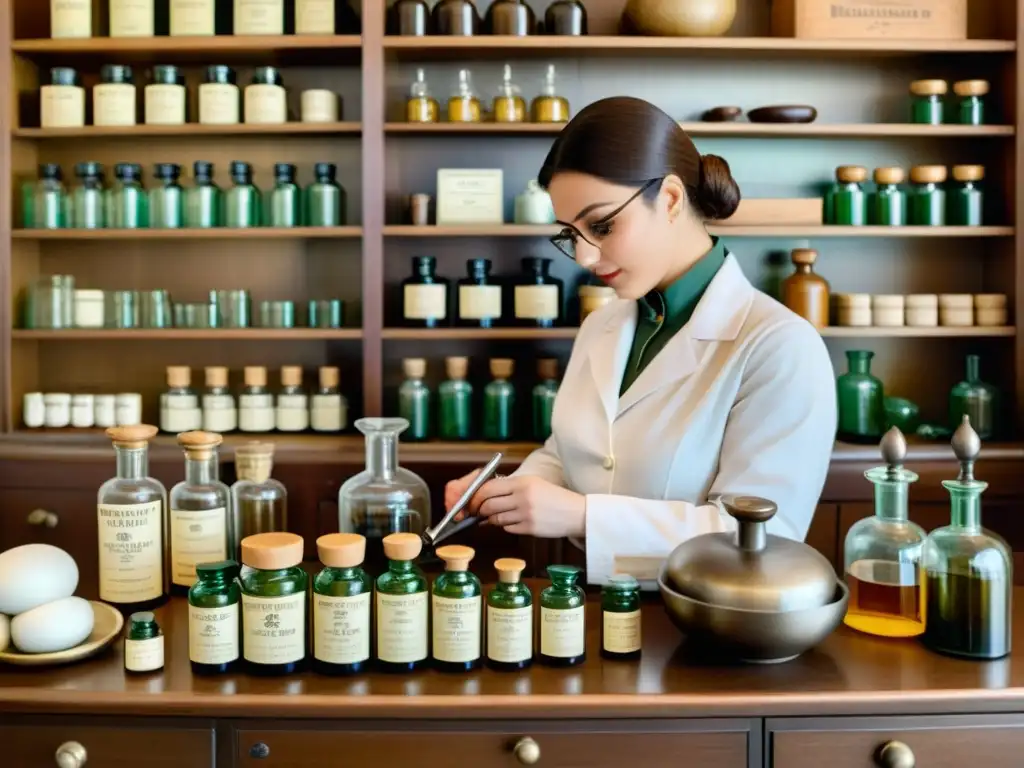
<point x="524" y="505"/>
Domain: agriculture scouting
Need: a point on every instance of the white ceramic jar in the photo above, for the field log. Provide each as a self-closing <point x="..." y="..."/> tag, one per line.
<point x="128" y="409"/>
<point x="58" y="409"/>
<point x="853" y="309"/>
<point x="33" y="410"/>
<point x="70" y="18"/>
<point x="956" y="309"/>
<point x="266" y="101"/>
<point x="887" y="310"/>
<point x="104" y="412"/>
<point x="219" y="97"/>
<point x="83" y="411"/>
<point x="62" y="101"/>
<point x="922" y="310"/>
<point x="114" y="98"/>
<point x="88" y="308"/>
<point x="319" y="106"/>
<point x="534" y="206"/>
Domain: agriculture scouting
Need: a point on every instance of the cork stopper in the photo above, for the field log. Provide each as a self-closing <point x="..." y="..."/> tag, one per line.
<point x="968" y="172"/>
<point x="328" y="377"/>
<point x="255" y="376"/>
<point x="198" y="444"/>
<point x="456" y="367"/>
<point x="966" y="446"/>
<point x="502" y="367"/>
<point x="137" y="436"/>
<point x="272" y="551"/>
<point x="341" y="550"/>
<point x="179" y="376"/>
<point x="970" y="87"/>
<point x="414" y="367"/>
<point x="851" y="174"/>
<point x="547" y="368"/>
<point x="894" y="449"/>
<point x="402" y="546"/>
<point x="509" y="569"/>
<point x="929" y="87"/>
<point x="291" y="376"/>
<point x="216" y="376"/>
<point x="254" y="461"/>
<point x="456" y="557"/>
<point x="928" y="174"/>
<point x="890" y="175"/>
<point x="803" y="256"/>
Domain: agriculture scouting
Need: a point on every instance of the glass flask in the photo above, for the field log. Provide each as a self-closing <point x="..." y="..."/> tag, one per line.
<point x="203" y="203"/>
<point x="127" y="205"/>
<point x="455" y="396"/>
<point x="509" y="618"/>
<point x="256" y="411"/>
<point x="861" y="400"/>
<point x="179" y="405"/>
<point x="549" y="107"/>
<point x="259" y="502"/>
<point x="48" y="202"/>
<point x="414" y="399"/>
<point x="166" y="207"/>
<point x="402" y="606"/>
<point x="883" y="553"/>
<point x="341" y="606"/>
<point x="284" y="208"/>
<point x="421" y="107"/>
<point x="243" y="202"/>
<point x="509" y="105"/>
<point x="499" y="401"/>
<point x="324" y="204"/>
<point x="544" y="397"/>
<point x="620" y="618"/>
<point x="463" y="105"/>
<point x="292" y="413"/>
<point x="456" y="611"/>
<point x="214" y="621"/>
<point x="563" y="626"/>
<point x="219" y="411"/>
<point x="968" y="570"/>
<point x="328" y="411"/>
<point x="88" y="208"/>
<point x="973" y="397"/>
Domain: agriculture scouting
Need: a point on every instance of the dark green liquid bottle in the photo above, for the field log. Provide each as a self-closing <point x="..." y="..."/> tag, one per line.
<point x="166" y="200"/>
<point x="846" y="203"/>
<point x="214" y="618"/>
<point x="926" y="103"/>
<point x="402" y="606"/>
<point x="414" y="399"/>
<point x="620" y="618"/>
<point x="203" y="201"/>
<point x="887" y="205"/>
<point x="544" y="397"/>
<point x="341" y="606"/>
<point x="284" y="204"/>
<point x="965" y="199"/>
<point x="537" y="297"/>
<point x="325" y="199"/>
<point x="563" y="623"/>
<point x="457" y="606"/>
<point x="499" y="402"/>
<point x="927" y="199"/>
<point x="242" y="203"/>
<point x="127" y="204"/>
<point x="971" y="109"/>
<point x="861" y="400"/>
<point x="456" y="402"/>
<point x="88" y="198"/>
<point x="509" y="619"/>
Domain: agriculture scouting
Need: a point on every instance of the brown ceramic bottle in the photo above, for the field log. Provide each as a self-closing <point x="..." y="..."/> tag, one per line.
<point x="805" y="292"/>
<point x="456" y="17"/>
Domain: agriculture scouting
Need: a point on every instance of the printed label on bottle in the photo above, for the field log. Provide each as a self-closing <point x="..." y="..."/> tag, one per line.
<point x="341" y="628"/>
<point x="192" y="17"/>
<point x="213" y="634"/>
<point x="456" y="628"/>
<point x="319" y="106"/>
<point x="292" y="413"/>
<point x="425" y="302"/>
<point x="180" y="413"/>
<point x="218" y="104"/>
<point x="256" y="413"/>
<point x="536" y="302"/>
<point x="478" y="302"/>
<point x="402" y="627"/>
<point x="259" y="17"/>
<point x="197" y="536"/>
<point x="62" y="106"/>
<point x="274" y="628"/>
<point x="113" y="104"/>
<point x="131" y="552"/>
<point x="314" y="17"/>
<point x="328" y="413"/>
<point x="144" y="655"/>
<point x="131" y="18"/>
<point x="562" y="632"/>
<point x="165" y="104"/>
<point x="621" y="632"/>
<point x="70" y="18"/>
<point x="509" y="634"/>
<point x="219" y="414"/>
<point x="265" y="104"/>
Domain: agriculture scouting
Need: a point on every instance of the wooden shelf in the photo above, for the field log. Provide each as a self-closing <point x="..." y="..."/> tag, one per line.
<point x="189" y="130"/>
<point x="539" y="334"/>
<point x="530" y="230"/>
<point x="218" y="233"/>
<point x="191" y="334"/>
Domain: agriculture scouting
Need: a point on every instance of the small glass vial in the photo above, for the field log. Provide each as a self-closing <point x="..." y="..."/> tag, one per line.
<point x="255" y="404"/>
<point x="464" y="106"/>
<point x="329" y="409"/>
<point x="49" y="200"/>
<point x="846" y="203"/>
<point x="242" y="203"/>
<point x="165" y="97"/>
<point x="166" y="201"/>
<point x="81" y="411"/>
<point x="927" y="200"/>
<point x="499" y="402"/>
<point x="114" y="97"/>
<point x="88" y="209"/>
<point x="509" y="105"/>
<point x="966" y="206"/>
<point x="179" y="405"/>
<point x="71" y="19"/>
<point x="259" y="502"/>
<point x="62" y="101"/>
<point x="324" y="199"/>
<point x="143" y="644"/>
<point x="203" y="200"/>
<point x="424" y="295"/>
<point x="402" y="606"/>
<point x="926" y="104"/>
<point x="887" y="205"/>
<point x="479" y="297"/>
<point x="214" y="619"/>
<point x="262" y="17"/>
<point x="292" y="414"/>
<point x="538" y="296"/>
<point x="544" y="397"/>
<point x="456" y="608"/>
<point x="284" y="203"/>
<point x="620" y="618"/>
<point x="341" y="606"/>
<point x="127" y="204"/>
<point x="509" y="618"/>
<point x="219" y="98"/>
<point x="274" y="599"/>
<point x="421" y="107"/>
<point x="563" y="623"/>
<point x="549" y="107"/>
<point x="266" y="101"/>
<point x="414" y="398"/>
<point x="971" y="108"/>
<point x="455" y="421"/>
<point x="219" y="412"/>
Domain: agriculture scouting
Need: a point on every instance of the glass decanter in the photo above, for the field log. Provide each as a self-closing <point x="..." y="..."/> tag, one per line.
<point x="509" y="105"/>
<point x="883" y="553"/>
<point x="861" y="400"/>
<point x="259" y="502"/>
<point x="968" y="570"/>
<point x="973" y="397"/>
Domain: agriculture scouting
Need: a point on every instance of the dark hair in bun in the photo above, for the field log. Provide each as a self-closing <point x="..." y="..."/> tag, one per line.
<point x="629" y="141"/>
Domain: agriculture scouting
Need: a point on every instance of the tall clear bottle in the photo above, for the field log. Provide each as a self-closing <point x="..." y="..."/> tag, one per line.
<point x="203" y="201"/>
<point x="883" y="553"/>
<point x="455" y="419"/>
<point x="133" y="528"/>
<point x="544" y="393"/>
<point x="414" y="398"/>
<point x="402" y="620"/>
<point x="975" y="398"/>
<point x="499" y="401"/>
<point x="201" y="519"/>
<point x="456" y="608"/>
<point x="549" y="106"/>
<point x="243" y="206"/>
<point x="259" y="503"/>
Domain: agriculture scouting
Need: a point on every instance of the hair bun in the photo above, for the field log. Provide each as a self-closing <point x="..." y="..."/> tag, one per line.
<point x="718" y="194"/>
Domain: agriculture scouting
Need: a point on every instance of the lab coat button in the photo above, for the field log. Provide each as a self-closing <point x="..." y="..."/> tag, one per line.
<point x="609" y="462"/>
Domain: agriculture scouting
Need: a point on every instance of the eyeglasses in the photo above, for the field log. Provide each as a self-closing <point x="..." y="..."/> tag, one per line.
<point x="565" y="241"/>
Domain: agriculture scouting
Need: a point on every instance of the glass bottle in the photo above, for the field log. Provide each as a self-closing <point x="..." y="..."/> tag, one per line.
<point x="509" y="105"/>
<point x="926" y="103"/>
<point x="456" y="612"/>
<point x="274" y="598"/>
<point x="324" y="199"/>
<point x="463" y="105"/>
<point x="219" y="97"/>
<point x="806" y="292"/>
<point x="456" y="17"/>
<point x="409" y="18"/>
<point x="402" y="605"/>
<point x="242" y="203"/>
<point x="201" y="519"/>
<point x="621" y="630"/>
<point x="132" y="526"/>
<point x="887" y="205"/>
<point x="329" y="409"/>
<point x="509" y="618"/>
<point x="565" y="17"/>
<point x="143" y="644"/>
<point x="203" y="203"/>
<point x="845" y="203"/>
<point x="968" y="570"/>
<point x="88" y="204"/>
<point x="538" y="296"/>
<point x="284" y="208"/>
<point x="421" y="107"/>
<point x="971" y="108"/>
<point x="927" y="199"/>
<point x="424" y="295"/>
<point x="341" y="606"/>
<point x="861" y="400"/>
<point x="414" y="399"/>
<point x="544" y="393"/>
<point x="499" y="402"/>
<point x="974" y="398"/>
<point x="966" y="200"/>
<point x="563" y="624"/>
<point x="48" y="202"/>
<point x="510" y="17"/>
<point x="114" y="98"/>
<point x="455" y="420"/>
<point x="883" y="553"/>
<point x="214" y="620"/>
<point x="127" y="206"/>
<point x="166" y="207"/>
<point x="258" y="501"/>
<point x="292" y="414"/>
<point x="179" y="405"/>
<point x="219" y="412"/>
<point x="479" y="297"/>
<point x="165" y="97"/>
<point x="549" y="107"/>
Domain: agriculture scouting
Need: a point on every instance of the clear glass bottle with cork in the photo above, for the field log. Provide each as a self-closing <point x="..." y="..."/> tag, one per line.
<point x="292" y="413"/>
<point x="509" y="618"/>
<point x="509" y="105"/>
<point x="179" y="405"/>
<point x="214" y="619"/>
<point x="421" y="107"/>
<point x="143" y="644"/>
<point x="455" y="396"/>
<point x="219" y="412"/>
<point x="456" y="607"/>
<point x="463" y="105"/>
<point x="414" y="400"/>
<point x="499" y="401"/>
<point x="341" y="606"/>
<point x="402" y="606"/>
<point x="329" y="409"/>
<point x="133" y="526"/>
<point x="258" y="501"/>
<point x="563" y="625"/>
<point x="255" y="403"/>
<point x="549" y="107"/>
<point x="544" y="393"/>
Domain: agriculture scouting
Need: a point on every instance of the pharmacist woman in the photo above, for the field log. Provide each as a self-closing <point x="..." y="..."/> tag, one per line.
<point x="692" y="384"/>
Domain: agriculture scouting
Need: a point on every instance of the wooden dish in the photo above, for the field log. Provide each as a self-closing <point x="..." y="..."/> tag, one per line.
<point x="721" y="114"/>
<point x="786" y="113"/>
<point x="107" y="625"/>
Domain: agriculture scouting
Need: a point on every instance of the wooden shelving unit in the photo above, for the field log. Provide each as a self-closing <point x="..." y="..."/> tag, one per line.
<point x="220" y="233"/>
<point x="526" y="230"/>
<point x="192" y="130"/>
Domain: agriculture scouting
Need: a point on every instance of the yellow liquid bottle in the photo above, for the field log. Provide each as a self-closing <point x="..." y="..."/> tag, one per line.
<point x="421" y="107"/>
<point x="509" y="105"/>
<point x="549" y="107"/>
<point x="464" y="106"/>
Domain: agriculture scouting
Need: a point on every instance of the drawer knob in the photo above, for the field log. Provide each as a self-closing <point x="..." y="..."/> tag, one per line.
<point x="43" y="517"/>
<point x="895" y="754"/>
<point x="259" y="751"/>
<point x="71" y="754"/>
<point x="527" y="751"/>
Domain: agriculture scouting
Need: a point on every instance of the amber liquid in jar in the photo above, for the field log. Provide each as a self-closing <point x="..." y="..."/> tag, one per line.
<point x="883" y="602"/>
<point x="509" y="109"/>
<point x="463" y="109"/>
<point x="421" y="109"/>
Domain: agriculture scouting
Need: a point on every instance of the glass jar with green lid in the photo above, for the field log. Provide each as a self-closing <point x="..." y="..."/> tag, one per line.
<point x="341" y="606"/>
<point x="214" y="619"/>
<point x="143" y="644"/>
<point x="402" y="606"/>
<point x="88" y="208"/>
<point x="243" y="202"/>
<point x="114" y="97"/>
<point x="266" y="101"/>
<point x="203" y="200"/>
<point x="456" y="608"/>
<point x="620" y="618"/>
<point x="127" y="204"/>
<point x="62" y="100"/>
<point x="926" y="203"/>
<point x="971" y="108"/>
<point x="274" y="588"/>
<point x="509" y="618"/>
<point x="284" y="203"/>
<point x="325" y="199"/>
<point x="887" y="205"/>
<point x="414" y="400"/>
<point x="563" y="624"/>
<point x="219" y="97"/>
<point x="846" y="203"/>
<point x="965" y="198"/>
<point x="166" y="200"/>
<point x="47" y="204"/>
<point x="926" y="102"/>
<point x="164" y="96"/>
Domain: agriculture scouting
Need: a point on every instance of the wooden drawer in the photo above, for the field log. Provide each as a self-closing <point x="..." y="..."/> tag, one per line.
<point x="994" y="741"/>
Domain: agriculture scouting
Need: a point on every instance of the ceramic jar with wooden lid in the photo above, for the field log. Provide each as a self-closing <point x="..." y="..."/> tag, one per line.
<point x="927" y="200"/>
<point x="956" y="309"/>
<point x="921" y="310"/>
<point x="887" y="310"/>
<point x="853" y="309"/>
<point x="804" y="291"/>
<point x="990" y="309"/>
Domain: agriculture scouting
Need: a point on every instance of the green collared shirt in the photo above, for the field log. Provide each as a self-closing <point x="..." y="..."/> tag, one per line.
<point x="660" y="314"/>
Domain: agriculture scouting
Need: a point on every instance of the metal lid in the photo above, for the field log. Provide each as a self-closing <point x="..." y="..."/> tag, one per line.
<point x="751" y="569"/>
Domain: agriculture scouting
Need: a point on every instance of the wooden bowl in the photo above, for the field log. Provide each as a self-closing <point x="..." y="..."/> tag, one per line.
<point x="721" y="114"/>
<point x="787" y="113"/>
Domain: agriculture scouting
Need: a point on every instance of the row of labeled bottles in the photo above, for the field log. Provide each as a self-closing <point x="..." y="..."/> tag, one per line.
<point x="951" y="587"/>
<point x="503" y="17"/>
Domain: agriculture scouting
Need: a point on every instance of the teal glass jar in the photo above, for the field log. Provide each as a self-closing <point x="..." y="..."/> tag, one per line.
<point x="620" y="618"/>
<point x="243" y="202"/>
<point x="563" y="623"/>
<point x="47" y="202"/>
<point x="214" y="618"/>
<point x="203" y="201"/>
<point x="927" y="101"/>
<point x="966" y="202"/>
<point x="325" y="199"/>
<point x="166" y="201"/>
<point x="143" y="644"/>
<point x="402" y="606"/>
<point x="341" y="606"/>
<point x="325" y="313"/>
<point x="277" y="314"/>
<point x="414" y="400"/>
<point x="88" y="198"/>
<point x="970" y="109"/>
<point x="499" y="402"/>
<point x="455" y="401"/>
<point x="861" y="400"/>
<point x="127" y="204"/>
<point x="846" y="203"/>
<point x="284" y="204"/>
<point x="887" y="205"/>
<point x="544" y="393"/>
<point x="456" y="607"/>
<point x="509" y="618"/>
<point x="927" y="199"/>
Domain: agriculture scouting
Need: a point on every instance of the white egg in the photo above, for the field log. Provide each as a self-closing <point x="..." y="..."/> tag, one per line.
<point x="35" y="574"/>
<point x="55" y="626"/>
<point x="5" y="632"/>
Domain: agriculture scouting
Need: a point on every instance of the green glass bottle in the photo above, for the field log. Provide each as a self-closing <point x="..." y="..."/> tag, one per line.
<point x="414" y="399"/>
<point x="509" y="618"/>
<point x="166" y="203"/>
<point x="971" y="109"/>
<point x="456" y="401"/>
<point x="926" y="103"/>
<point x="974" y="398"/>
<point x="927" y="200"/>
<point x="284" y="204"/>
<point x="48" y="202"/>
<point x="846" y="204"/>
<point x="563" y="624"/>
<point x="242" y="203"/>
<point x="620" y="618"/>
<point x="887" y="205"/>
<point x="143" y="644"/>
<point x="341" y="606"/>
<point x="402" y="606"/>
<point x="127" y="205"/>
<point x="325" y="199"/>
<point x="544" y="397"/>
<point x="214" y="619"/>
<point x="203" y="201"/>
<point x="456" y="606"/>
<point x="965" y="198"/>
<point x="499" y="402"/>
<point x="968" y="570"/>
<point x="88" y="198"/>
<point x="861" y="400"/>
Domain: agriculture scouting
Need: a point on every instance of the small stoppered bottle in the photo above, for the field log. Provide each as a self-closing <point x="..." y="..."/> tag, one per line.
<point x="509" y="618"/>
<point x="214" y="623"/>
<point x="143" y="644"/>
<point x="620" y="618"/>
<point x="402" y="606"/>
<point x="455" y="401"/>
<point x="414" y="398"/>
<point x="456" y="604"/>
<point x="563" y="625"/>
<point x="341" y="606"/>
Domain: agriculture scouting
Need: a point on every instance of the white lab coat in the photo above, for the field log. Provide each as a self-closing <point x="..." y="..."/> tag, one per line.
<point x="741" y="400"/>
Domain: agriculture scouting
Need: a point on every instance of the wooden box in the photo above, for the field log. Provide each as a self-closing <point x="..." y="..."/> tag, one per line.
<point x="779" y="212"/>
<point x="856" y="19"/>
